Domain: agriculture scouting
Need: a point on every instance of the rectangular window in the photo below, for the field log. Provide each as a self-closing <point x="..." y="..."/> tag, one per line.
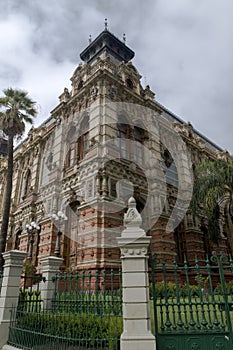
<point x="123" y="150"/>
<point x="72" y="154"/>
<point x="85" y="142"/>
<point x="137" y="152"/>
<point x="83" y="145"/>
<point x="113" y="192"/>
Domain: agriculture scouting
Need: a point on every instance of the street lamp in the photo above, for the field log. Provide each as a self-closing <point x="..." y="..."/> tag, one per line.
<point x="58" y="218"/>
<point x="32" y="229"/>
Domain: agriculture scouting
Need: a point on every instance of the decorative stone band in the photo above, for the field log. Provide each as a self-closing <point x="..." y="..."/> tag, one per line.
<point x="13" y="258"/>
<point x="134" y="248"/>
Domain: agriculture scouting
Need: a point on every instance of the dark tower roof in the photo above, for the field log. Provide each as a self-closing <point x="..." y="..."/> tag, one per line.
<point x="106" y="41"/>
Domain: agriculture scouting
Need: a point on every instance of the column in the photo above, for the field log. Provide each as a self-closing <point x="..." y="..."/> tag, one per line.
<point x="10" y="289"/>
<point x="50" y="266"/>
<point x="135" y="283"/>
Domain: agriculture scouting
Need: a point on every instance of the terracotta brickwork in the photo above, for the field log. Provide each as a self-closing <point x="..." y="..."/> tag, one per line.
<point x="73" y="163"/>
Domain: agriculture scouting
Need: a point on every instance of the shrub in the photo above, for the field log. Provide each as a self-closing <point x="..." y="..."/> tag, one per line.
<point x="86" y="302"/>
<point x="161" y="291"/>
<point x="229" y="288"/>
<point x="29" y="300"/>
<point x="82" y="329"/>
<point x="172" y="290"/>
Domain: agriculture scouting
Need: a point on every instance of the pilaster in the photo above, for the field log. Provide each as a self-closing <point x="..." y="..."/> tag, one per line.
<point x="50" y="266"/>
<point x="10" y="290"/>
<point x="135" y="284"/>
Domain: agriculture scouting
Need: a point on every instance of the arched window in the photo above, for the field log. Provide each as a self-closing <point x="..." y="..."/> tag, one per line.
<point x="129" y="83"/>
<point x="180" y="240"/>
<point x="71" y="155"/>
<point x="123" y="133"/>
<point x="17" y="237"/>
<point x="130" y="150"/>
<point x="70" y="238"/>
<point x="25" y="184"/>
<point x="140" y="199"/>
<point x="169" y="168"/>
<point x="83" y="140"/>
<point x="80" y="84"/>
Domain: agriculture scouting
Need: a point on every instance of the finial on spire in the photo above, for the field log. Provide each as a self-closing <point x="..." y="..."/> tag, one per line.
<point x="106" y="24"/>
<point x="90" y="39"/>
<point x="124" y="38"/>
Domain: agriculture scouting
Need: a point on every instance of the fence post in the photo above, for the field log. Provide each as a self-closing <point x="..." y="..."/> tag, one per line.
<point x="50" y="266"/>
<point x="135" y="283"/>
<point x="10" y="289"/>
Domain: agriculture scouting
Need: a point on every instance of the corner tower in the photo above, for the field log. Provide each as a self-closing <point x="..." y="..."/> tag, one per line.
<point x="94" y="125"/>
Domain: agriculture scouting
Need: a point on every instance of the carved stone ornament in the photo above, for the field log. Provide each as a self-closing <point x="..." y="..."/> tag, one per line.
<point x="132" y="218"/>
<point x="137" y="250"/>
<point x="132" y="222"/>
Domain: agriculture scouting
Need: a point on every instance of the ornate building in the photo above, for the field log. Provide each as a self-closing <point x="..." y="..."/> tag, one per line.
<point x="106" y="140"/>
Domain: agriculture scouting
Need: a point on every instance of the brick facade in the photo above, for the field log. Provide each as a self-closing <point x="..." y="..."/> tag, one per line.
<point x="92" y="154"/>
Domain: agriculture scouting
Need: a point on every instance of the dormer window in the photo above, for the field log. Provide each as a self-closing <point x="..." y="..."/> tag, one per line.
<point x="80" y="85"/>
<point x="129" y="83"/>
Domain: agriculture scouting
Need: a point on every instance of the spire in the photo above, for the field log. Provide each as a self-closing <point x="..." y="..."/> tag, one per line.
<point x="108" y="43"/>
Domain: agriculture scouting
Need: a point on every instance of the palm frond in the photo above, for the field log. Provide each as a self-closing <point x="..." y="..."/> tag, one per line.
<point x="16" y="108"/>
<point x="212" y="181"/>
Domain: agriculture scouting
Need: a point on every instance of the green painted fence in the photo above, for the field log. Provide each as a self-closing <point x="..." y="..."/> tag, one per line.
<point x="86" y="313"/>
<point x="192" y="304"/>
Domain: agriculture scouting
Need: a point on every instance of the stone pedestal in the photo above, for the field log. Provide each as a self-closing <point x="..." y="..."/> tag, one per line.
<point x="135" y="284"/>
<point x="50" y="266"/>
<point x="10" y="290"/>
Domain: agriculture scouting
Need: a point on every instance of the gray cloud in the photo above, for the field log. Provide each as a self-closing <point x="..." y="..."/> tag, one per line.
<point x="183" y="50"/>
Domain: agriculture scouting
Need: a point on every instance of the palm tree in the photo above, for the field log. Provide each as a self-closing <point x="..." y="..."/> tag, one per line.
<point x="16" y="108"/>
<point x="213" y="192"/>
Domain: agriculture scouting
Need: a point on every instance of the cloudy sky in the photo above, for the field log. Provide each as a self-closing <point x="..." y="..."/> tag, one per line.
<point x="184" y="51"/>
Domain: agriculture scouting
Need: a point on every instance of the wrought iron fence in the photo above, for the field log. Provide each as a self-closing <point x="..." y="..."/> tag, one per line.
<point x="30" y="294"/>
<point x="86" y="313"/>
<point x="96" y="292"/>
<point x="193" y="302"/>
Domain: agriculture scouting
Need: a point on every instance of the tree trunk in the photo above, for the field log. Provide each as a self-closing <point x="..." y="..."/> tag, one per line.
<point x="7" y="201"/>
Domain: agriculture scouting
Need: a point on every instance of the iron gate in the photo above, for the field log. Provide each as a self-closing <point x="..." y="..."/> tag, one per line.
<point x="193" y="305"/>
